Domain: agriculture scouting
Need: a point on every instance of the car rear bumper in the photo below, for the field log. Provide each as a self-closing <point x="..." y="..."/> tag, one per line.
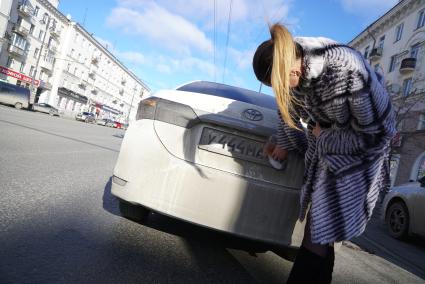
<point x="203" y="195"/>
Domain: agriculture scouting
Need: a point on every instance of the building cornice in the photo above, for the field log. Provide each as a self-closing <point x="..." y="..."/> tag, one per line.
<point x="110" y="55"/>
<point x="387" y="20"/>
<point x="54" y="10"/>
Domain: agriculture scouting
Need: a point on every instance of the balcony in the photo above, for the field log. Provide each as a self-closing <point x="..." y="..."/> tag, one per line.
<point x="21" y="30"/>
<point x="47" y="65"/>
<point x="25" y="10"/>
<point x="376" y="54"/>
<point x="407" y="65"/>
<point x="55" y="32"/>
<point x="15" y="50"/>
<point x="82" y="85"/>
<point x="53" y="48"/>
<point x="95" y="60"/>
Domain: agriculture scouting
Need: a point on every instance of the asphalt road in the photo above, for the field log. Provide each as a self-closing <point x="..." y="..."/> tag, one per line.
<point x="60" y="224"/>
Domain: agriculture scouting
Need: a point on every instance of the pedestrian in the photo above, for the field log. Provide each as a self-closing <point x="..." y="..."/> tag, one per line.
<point x="350" y="123"/>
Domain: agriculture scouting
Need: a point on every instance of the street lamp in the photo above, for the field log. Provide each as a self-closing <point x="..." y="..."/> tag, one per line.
<point x="33" y="89"/>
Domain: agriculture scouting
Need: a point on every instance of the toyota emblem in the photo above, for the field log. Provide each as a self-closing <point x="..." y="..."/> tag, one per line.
<point x="252" y="114"/>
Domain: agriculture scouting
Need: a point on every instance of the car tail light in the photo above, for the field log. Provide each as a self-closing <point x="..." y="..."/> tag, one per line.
<point x="167" y="111"/>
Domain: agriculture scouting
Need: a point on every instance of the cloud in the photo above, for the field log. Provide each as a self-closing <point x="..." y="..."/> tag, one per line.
<point x="166" y="29"/>
<point x="367" y="8"/>
<point x="132" y="56"/>
<point x="183" y="65"/>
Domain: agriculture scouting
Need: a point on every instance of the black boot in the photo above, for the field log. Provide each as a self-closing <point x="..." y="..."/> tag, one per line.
<point x="311" y="268"/>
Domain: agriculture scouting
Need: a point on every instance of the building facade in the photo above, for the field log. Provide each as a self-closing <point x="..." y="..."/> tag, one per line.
<point x="395" y="46"/>
<point x="72" y="70"/>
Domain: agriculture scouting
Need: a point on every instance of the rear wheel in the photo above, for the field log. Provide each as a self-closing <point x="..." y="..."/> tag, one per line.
<point x="397" y="220"/>
<point x="133" y="212"/>
<point x="18" y="105"/>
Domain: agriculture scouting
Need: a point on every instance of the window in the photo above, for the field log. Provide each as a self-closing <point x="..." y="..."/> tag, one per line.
<point x="414" y="51"/>
<point x="40" y="35"/>
<point x="421" y="19"/>
<point x="366" y="52"/>
<point x="381" y="42"/>
<point x="36" y="10"/>
<point x="21" y="67"/>
<point x="68" y="67"/>
<point x="72" y="53"/>
<point x="421" y="123"/>
<point x="399" y="32"/>
<point x="421" y="169"/>
<point x="32" y="29"/>
<point x="32" y="69"/>
<point x="10" y="62"/>
<point x="407" y="86"/>
<point x="36" y="51"/>
<point x="45" y="18"/>
<point x="19" y="41"/>
<point x="392" y="63"/>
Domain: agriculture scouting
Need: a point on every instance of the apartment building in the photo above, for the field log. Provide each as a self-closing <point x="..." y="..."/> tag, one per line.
<point x="395" y="46"/>
<point x="72" y="70"/>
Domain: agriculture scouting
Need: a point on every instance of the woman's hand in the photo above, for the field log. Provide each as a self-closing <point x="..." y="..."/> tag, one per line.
<point x="279" y="154"/>
<point x="317" y="130"/>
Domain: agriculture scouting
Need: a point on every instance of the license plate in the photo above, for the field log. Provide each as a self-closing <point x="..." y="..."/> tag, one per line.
<point x="232" y="145"/>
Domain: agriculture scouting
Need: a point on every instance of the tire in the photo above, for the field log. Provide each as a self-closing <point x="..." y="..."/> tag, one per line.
<point x="133" y="212"/>
<point x="18" y="106"/>
<point x="397" y="220"/>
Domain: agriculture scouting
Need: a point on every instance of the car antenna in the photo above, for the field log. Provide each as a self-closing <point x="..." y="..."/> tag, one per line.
<point x="261" y="85"/>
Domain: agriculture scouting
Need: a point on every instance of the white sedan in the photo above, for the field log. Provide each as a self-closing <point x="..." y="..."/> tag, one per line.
<point x="196" y="153"/>
<point x="404" y="209"/>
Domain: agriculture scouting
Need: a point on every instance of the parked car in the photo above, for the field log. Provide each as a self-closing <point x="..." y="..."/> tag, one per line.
<point x="103" y="121"/>
<point x="86" y="117"/>
<point x="14" y="95"/>
<point x="196" y="154"/>
<point x="118" y="125"/>
<point x="46" y="108"/>
<point x="110" y="123"/>
<point x="404" y="210"/>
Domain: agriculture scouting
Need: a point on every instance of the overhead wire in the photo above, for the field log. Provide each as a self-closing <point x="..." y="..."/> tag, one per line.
<point x="227" y="38"/>
<point x="215" y="39"/>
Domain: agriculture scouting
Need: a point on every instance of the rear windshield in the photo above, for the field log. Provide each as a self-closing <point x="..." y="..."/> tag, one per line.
<point x="86" y="113"/>
<point x="230" y="92"/>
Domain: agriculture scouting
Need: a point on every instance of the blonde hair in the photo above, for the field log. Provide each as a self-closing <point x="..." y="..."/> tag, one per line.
<point x="284" y="56"/>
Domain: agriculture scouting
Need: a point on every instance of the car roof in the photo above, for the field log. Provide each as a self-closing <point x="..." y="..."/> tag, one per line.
<point x="230" y="92"/>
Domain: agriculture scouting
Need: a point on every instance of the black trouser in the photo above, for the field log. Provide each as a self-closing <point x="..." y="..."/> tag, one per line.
<point x="314" y="262"/>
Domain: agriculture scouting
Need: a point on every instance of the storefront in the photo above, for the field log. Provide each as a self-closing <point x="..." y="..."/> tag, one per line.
<point x="69" y="100"/>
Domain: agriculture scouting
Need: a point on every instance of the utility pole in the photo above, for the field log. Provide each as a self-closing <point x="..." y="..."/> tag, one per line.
<point x="131" y="105"/>
<point x="33" y="89"/>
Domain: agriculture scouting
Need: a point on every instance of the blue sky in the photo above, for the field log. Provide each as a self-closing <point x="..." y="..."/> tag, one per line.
<point x="169" y="42"/>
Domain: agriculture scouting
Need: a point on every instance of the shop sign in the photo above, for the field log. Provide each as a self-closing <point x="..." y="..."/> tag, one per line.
<point x="17" y="75"/>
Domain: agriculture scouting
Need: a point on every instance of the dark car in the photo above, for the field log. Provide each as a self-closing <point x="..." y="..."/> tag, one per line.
<point x="86" y="117"/>
<point x="46" y="108"/>
<point x="14" y="95"/>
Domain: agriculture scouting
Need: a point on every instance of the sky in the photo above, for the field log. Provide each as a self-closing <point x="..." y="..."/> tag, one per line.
<point x="167" y="43"/>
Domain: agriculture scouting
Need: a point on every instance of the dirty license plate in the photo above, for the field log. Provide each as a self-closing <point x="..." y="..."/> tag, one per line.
<point x="232" y="145"/>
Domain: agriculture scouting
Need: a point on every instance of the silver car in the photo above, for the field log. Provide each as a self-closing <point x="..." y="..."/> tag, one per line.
<point x="46" y="108"/>
<point x="404" y="209"/>
<point x="86" y="117"/>
<point x="14" y="95"/>
<point x="196" y="153"/>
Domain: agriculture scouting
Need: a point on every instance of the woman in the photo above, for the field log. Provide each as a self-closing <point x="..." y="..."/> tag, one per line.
<point x="350" y="124"/>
